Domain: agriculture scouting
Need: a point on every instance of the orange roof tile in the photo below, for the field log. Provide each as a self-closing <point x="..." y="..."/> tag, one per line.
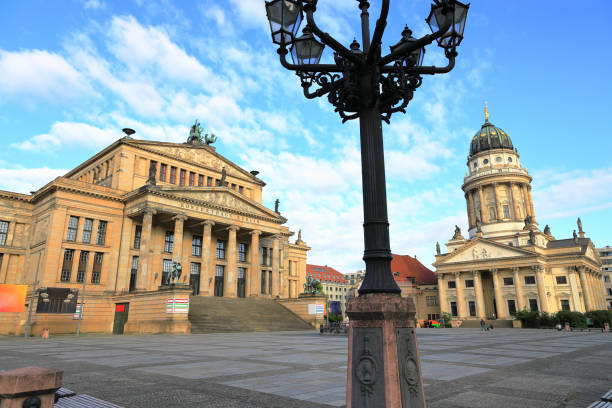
<point x="409" y="267"/>
<point x="325" y="274"/>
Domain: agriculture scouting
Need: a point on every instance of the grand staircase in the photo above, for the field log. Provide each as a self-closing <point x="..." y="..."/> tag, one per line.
<point x="209" y="314"/>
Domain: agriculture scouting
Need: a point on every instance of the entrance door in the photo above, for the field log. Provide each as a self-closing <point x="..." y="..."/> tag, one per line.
<point x="121" y="317"/>
<point x="219" y="276"/>
<point x="241" y="282"/>
<point x="194" y="282"/>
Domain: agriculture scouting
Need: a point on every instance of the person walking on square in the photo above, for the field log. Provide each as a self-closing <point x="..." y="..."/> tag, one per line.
<point x="482" y="325"/>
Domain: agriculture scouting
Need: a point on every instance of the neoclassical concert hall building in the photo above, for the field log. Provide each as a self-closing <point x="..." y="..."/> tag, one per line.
<point x="115" y="224"/>
<point x="507" y="263"/>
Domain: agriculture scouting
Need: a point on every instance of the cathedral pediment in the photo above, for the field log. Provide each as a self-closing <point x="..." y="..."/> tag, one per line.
<point x="217" y="197"/>
<point x="481" y="249"/>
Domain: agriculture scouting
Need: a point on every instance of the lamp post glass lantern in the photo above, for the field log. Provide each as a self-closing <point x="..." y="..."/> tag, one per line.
<point x="363" y="84"/>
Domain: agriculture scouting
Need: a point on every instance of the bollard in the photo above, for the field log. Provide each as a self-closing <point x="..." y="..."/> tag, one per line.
<point x="607" y="327"/>
<point x="567" y="327"/>
<point x="29" y="387"/>
<point x="45" y="333"/>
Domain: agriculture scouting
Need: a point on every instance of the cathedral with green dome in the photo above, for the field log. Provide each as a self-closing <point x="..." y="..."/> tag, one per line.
<point x="506" y="263"/>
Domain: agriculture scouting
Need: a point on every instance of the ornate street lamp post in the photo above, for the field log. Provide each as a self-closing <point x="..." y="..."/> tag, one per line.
<point x="384" y="368"/>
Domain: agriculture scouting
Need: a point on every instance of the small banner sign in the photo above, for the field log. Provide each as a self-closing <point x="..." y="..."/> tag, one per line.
<point x="177" y="305"/>
<point x="316" y="308"/>
<point x="77" y="312"/>
<point x="12" y="298"/>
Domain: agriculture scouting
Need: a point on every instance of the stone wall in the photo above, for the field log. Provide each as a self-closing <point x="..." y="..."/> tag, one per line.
<point x="299" y="306"/>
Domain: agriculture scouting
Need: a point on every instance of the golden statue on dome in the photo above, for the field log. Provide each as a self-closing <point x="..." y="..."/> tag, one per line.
<point x="486" y="112"/>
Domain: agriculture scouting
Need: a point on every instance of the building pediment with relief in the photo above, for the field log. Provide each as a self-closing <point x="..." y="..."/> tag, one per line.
<point x="481" y="249"/>
<point x="220" y="198"/>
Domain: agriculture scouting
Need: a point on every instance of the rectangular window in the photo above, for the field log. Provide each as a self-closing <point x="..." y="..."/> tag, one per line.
<point x="97" y="267"/>
<point x="87" y="230"/>
<point x="82" y="269"/>
<point x="219" y="271"/>
<point x="469" y="283"/>
<point x="163" y="169"/>
<point x="453" y="308"/>
<point x="533" y="305"/>
<point x="195" y="268"/>
<point x="242" y="253"/>
<point x="609" y="291"/>
<point x="173" y="175"/>
<point x="67" y="265"/>
<point x="606" y="278"/>
<point x="263" y="282"/>
<point x="565" y="304"/>
<point x="196" y="245"/>
<point x="472" y="307"/>
<point x="561" y="280"/>
<point x="220" y="249"/>
<point x="511" y="306"/>
<point x="269" y="282"/>
<point x="209" y="181"/>
<point x="506" y="211"/>
<point x="166" y="267"/>
<point x="200" y="180"/>
<point x="508" y="281"/>
<point x="182" y="177"/>
<point x="264" y="255"/>
<point x="191" y="178"/>
<point x="3" y="232"/>
<point x="241" y="189"/>
<point x="101" y="238"/>
<point x="217" y="182"/>
<point x="431" y="300"/>
<point x="241" y="273"/>
<point x="169" y="242"/>
<point x="133" y="273"/>
<point x="451" y="285"/>
<point x="530" y="280"/>
<point x="73" y="223"/>
<point x="137" y="236"/>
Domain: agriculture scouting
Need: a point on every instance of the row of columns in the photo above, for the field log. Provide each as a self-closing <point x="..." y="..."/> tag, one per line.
<point x="498" y="293"/>
<point x="524" y="189"/>
<point x="207" y="272"/>
<point x="593" y="291"/>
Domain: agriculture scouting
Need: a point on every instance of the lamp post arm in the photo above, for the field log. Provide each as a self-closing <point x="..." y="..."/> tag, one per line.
<point x="381" y="23"/>
<point x="407" y="48"/>
<point x="329" y="40"/>
<point x="430" y="70"/>
<point x="282" y="52"/>
<point x="321" y="91"/>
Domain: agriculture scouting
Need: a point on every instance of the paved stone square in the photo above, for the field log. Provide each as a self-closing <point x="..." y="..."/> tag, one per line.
<point x="461" y="368"/>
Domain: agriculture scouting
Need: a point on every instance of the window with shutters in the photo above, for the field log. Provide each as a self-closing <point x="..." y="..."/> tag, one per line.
<point x="67" y="265"/>
<point x="97" y="267"/>
<point x="82" y="268"/>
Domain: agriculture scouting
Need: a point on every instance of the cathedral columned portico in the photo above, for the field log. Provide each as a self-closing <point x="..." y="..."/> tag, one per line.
<point x="507" y="263"/>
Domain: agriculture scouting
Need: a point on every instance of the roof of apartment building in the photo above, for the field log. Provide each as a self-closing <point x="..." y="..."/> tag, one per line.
<point x="408" y="269"/>
<point x="326" y="274"/>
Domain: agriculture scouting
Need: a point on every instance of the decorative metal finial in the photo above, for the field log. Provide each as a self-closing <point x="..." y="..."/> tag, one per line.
<point x="486" y="112"/>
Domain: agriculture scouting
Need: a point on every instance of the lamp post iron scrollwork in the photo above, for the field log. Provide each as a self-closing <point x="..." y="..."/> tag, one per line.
<point x="363" y="84"/>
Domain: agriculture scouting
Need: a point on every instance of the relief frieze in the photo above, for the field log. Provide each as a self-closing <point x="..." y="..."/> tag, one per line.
<point x="219" y="213"/>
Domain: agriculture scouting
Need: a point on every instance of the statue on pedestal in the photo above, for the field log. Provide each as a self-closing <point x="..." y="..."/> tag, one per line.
<point x="175" y="273"/>
<point x="438" y="248"/>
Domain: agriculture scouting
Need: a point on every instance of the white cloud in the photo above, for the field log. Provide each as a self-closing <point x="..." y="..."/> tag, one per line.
<point x="94" y="4"/>
<point x="33" y="75"/>
<point x="23" y="180"/>
<point x="70" y="134"/>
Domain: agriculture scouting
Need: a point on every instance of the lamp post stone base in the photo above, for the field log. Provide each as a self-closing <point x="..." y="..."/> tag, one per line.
<point x="384" y="368"/>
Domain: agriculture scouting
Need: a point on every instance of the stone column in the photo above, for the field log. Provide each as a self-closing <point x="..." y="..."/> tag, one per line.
<point x="498" y="206"/>
<point x="517" y="202"/>
<point x="541" y="288"/>
<point x="480" y="306"/>
<point x="499" y="298"/>
<point x="442" y="292"/>
<point x="511" y="202"/>
<point x="124" y="259"/>
<point x="143" y="280"/>
<point x="230" y="282"/>
<point x="254" y="277"/>
<point x="527" y="206"/>
<point x="518" y="286"/>
<point x="483" y="210"/>
<point x="275" y="266"/>
<point x="588" y="302"/>
<point x="472" y="208"/>
<point x="177" y="250"/>
<point x="4" y="267"/>
<point x="460" y="299"/>
<point x="207" y="273"/>
<point x="531" y="203"/>
<point x="571" y="275"/>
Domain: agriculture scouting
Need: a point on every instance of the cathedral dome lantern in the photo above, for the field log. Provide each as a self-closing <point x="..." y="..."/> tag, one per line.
<point x="497" y="187"/>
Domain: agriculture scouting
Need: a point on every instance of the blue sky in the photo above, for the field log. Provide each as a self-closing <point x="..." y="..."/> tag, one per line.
<point x="73" y="73"/>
